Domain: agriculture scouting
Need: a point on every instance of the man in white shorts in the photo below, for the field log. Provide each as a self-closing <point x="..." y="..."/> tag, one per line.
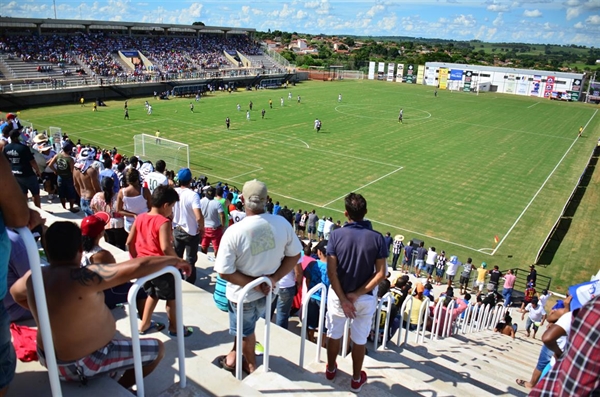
<point x="356" y="256"/>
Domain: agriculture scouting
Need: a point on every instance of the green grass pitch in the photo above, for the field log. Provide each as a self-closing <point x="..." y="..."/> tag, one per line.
<point x="461" y="169"/>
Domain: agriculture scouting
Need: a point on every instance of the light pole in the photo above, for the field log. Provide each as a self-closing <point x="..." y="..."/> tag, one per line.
<point x="54" y="3"/>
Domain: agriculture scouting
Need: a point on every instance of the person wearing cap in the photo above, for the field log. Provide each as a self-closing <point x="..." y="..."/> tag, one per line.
<point x="214" y="219"/>
<point x="412" y="317"/>
<point x="117" y="159"/>
<point x="356" y="262"/>
<point x="481" y="274"/>
<point x="83" y="327"/>
<point x="397" y="249"/>
<point x="63" y="165"/>
<point x="263" y="245"/>
<point x="453" y="265"/>
<point x="23" y="166"/>
<point x="188" y="222"/>
<point x="86" y="179"/>
<point x="554" y="339"/>
<point x="536" y="317"/>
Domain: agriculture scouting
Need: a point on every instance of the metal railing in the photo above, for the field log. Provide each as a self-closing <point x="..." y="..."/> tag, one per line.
<point x="135" y="336"/>
<point x="387" y="298"/>
<point x="407" y="300"/>
<point x="422" y="323"/>
<point x="466" y="318"/>
<point x="448" y="320"/>
<point x="42" y="309"/>
<point x="437" y="314"/>
<point x="240" y="321"/>
<point x="305" y="301"/>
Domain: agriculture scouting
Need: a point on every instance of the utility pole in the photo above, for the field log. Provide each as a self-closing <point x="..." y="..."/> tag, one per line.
<point x="54" y="3"/>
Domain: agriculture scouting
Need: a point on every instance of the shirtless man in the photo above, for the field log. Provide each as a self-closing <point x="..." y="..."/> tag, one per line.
<point x="83" y="328"/>
<point x="87" y="183"/>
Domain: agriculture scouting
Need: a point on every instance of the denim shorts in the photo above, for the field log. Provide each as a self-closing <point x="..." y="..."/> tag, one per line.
<point x="8" y="358"/>
<point x="420" y="264"/>
<point x="251" y="313"/>
<point x="86" y="207"/>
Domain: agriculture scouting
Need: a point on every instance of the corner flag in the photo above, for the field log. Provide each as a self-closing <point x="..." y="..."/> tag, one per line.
<point x="496" y="239"/>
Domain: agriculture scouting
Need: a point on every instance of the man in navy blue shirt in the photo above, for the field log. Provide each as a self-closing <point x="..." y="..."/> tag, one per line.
<point x="408" y="258"/>
<point x="388" y="242"/>
<point x="356" y="257"/>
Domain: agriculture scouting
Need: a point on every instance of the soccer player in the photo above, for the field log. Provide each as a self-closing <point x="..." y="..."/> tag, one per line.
<point x="263" y="113"/>
<point x="191" y="107"/>
<point x="95" y="107"/>
<point x="149" y="109"/>
<point x="248" y="115"/>
<point x="157" y="137"/>
<point x="318" y="125"/>
<point x="227" y="122"/>
<point x="435" y="93"/>
<point x="270" y="104"/>
<point x="340" y="98"/>
<point x="82" y="101"/>
<point x="400" y="116"/>
<point x="290" y="95"/>
<point x="250" y="105"/>
<point x="580" y="131"/>
<point x="298" y="98"/>
<point x="281" y="101"/>
<point x="126" y="113"/>
<point x="239" y="108"/>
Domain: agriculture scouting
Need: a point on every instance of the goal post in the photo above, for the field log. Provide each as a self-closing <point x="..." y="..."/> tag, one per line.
<point x="175" y="154"/>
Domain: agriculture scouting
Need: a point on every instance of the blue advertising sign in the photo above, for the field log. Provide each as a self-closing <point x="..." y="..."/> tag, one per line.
<point x="456" y="74"/>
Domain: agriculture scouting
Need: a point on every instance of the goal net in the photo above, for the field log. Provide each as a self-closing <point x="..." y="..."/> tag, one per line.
<point x="175" y="154"/>
<point x="352" y="74"/>
<point x="55" y="133"/>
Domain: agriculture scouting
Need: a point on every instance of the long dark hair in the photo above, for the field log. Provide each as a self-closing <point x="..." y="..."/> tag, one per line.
<point x="108" y="185"/>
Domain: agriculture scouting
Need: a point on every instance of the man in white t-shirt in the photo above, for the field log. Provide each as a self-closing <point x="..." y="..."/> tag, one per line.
<point x="238" y="214"/>
<point x="327" y="228"/>
<point x="157" y="177"/>
<point x="188" y="222"/>
<point x="262" y="245"/>
<point x="453" y="265"/>
<point x="536" y="317"/>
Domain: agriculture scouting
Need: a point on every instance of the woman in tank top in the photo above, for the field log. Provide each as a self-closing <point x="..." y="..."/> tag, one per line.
<point x="106" y="201"/>
<point x="133" y="199"/>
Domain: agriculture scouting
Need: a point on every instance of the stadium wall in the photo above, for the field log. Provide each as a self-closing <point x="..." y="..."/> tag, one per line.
<point x="526" y="82"/>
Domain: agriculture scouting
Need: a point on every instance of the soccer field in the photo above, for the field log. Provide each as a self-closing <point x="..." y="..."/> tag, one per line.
<point x="460" y="170"/>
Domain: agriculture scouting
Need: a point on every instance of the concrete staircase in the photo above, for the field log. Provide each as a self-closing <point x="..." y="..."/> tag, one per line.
<point x="480" y="364"/>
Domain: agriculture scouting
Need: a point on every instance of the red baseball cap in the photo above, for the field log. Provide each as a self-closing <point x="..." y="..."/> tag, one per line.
<point x="118" y="158"/>
<point x="93" y="225"/>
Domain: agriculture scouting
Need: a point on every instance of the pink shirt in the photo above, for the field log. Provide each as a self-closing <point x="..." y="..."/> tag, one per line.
<point x="509" y="280"/>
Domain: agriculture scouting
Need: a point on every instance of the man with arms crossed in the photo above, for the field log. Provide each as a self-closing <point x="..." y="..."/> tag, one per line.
<point x="356" y="256"/>
<point x="83" y="328"/>
<point x="262" y="245"/>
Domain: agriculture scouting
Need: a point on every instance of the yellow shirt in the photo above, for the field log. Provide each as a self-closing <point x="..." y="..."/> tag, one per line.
<point x="481" y="273"/>
<point x="414" y="313"/>
<point x="157" y="134"/>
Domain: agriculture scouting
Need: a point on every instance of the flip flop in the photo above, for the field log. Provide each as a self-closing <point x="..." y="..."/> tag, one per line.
<point x="154" y="326"/>
<point x="521" y="382"/>
<point x="222" y="360"/>
<point x="187" y="331"/>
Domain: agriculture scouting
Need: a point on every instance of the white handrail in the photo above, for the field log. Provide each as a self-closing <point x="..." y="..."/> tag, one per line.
<point x="466" y="320"/>
<point x="240" y="321"/>
<point x="135" y="336"/>
<point x="345" y="337"/>
<point x="481" y="324"/>
<point x="385" y="298"/>
<point x="437" y="313"/>
<point x="408" y="299"/>
<point x="422" y="316"/>
<point x="478" y="311"/>
<point x="448" y="320"/>
<point x="42" y="309"/>
<point x="305" y="299"/>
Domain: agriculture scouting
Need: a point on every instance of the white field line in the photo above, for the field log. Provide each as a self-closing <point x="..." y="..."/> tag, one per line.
<point x="537" y="103"/>
<point x="540" y="189"/>
<point x="363" y="186"/>
<point x="246" y="173"/>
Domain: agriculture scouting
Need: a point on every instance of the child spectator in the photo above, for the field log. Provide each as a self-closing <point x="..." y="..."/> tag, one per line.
<point x="151" y="235"/>
<point x="529" y="295"/>
<point x="315" y="273"/>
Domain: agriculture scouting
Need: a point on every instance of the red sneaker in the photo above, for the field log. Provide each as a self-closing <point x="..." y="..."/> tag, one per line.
<point x="356" y="385"/>
<point x="330" y="374"/>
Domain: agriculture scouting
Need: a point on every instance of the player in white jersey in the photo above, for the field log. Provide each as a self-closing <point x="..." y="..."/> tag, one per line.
<point x="340" y="98"/>
<point x="157" y="177"/>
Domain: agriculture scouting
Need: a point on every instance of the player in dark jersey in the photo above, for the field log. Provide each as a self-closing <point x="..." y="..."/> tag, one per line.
<point x="227" y="122"/>
<point x="400" y="116"/>
<point x="263" y="113"/>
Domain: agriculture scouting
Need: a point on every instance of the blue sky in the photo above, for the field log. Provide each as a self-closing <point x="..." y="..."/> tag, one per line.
<point x="531" y="21"/>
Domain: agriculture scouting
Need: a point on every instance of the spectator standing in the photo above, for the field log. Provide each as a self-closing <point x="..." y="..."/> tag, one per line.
<point x="157" y="177"/>
<point x="532" y="276"/>
<point x="327" y="228"/>
<point x="536" y="317"/>
<point x="453" y="265"/>
<point x="188" y="222"/>
<point x="397" y="249"/>
<point x="315" y="273"/>
<point x="356" y="256"/>
<point x="495" y="275"/>
<point x="509" y="285"/>
<point x="18" y="266"/>
<point x="106" y="201"/>
<point x="276" y="208"/>
<point x="465" y="276"/>
<point x="23" y="166"/>
<point x="312" y="225"/>
<point x="431" y="261"/>
<point x="440" y="267"/>
<point x="238" y="214"/>
<point x="388" y="242"/>
<point x="214" y="219"/>
<point x="86" y="179"/>
<point x="407" y="260"/>
<point x="108" y="172"/>
<point x="321" y="228"/>
<point x="420" y="260"/>
<point x="481" y="273"/>
<point x="261" y="245"/>
<point x="63" y="165"/>
<point x="133" y="199"/>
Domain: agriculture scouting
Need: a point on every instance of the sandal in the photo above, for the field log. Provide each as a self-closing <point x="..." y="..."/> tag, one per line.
<point x="154" y="326"/>
<point x="222" y="360"/>
<point x="521" y="382"/>
<point x="187" y="331"/>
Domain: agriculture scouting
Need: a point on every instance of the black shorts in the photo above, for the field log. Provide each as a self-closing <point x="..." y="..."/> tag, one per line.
<point x="464" y="280"/>
<point x="162" y="287"/>
<point x="302" y="228"/>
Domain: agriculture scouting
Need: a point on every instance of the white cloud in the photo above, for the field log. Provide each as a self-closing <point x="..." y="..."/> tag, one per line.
<point x="572" y="3"/>
<point x="465" y="20"/>
<point x="301" y="14"/>
<point x="592" y="4"/>
<point x="579" y="25"/>
<point x="532" y="13"/>
<point x="491" y="32"/>
<point x="573" y="12"/>
<point x="245" y="9"/>
<point x="499" y="21"/>
<point x="374" y="10"/>
<point x="593" y="20"/>
<point x="388" y="23"/>
<point x="498" y="8"/>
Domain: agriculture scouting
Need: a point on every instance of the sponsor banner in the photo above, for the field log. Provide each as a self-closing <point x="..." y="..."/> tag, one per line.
<point x="381" y="67"/>
<point x="410" y="74"/>
<point x="456" y="74"/>
<point x="549" y="86"/>
<point x="391" y="67"/>
<point x="420" y="74"/>
<point x="468" y="81"/>
<point x="594" y="92"/>
<point x="509" y="85"/>
<point x="430" y="76"/>
<point x="522" y="85"/>
<point x="574" y="95"/>
<point x="576" y="85"/>
<point x="443" y="78"/>
<point x="371" y="74"/>
<point x="400" y="73"/>
<point x="536" y="85"/>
